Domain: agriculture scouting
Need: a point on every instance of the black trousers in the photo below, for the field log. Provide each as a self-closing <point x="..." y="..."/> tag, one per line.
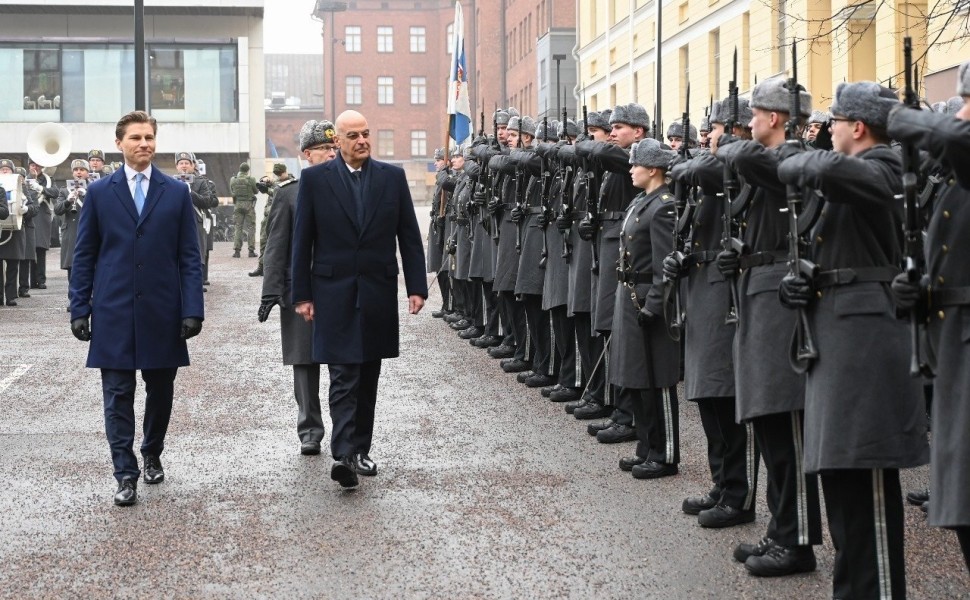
<point x="353" y="398"/>
<point x="444" y="285"/>
<point x="118" y="387"/>
<point x="736" y="463"/>
<point x="963" y="535"/>
<point x="590" y="348"/>
<point x="10" y="280"/>
<point x="306" y="388"/>
<point x="540" y="332"/>
<point x="205" y="268"/>
<point x="515" y="320"/>
<point x="657" y="418"/>
<point x="38" y="271"/>
<point x="564" y="331"/>
<point x="457" y="296"/>
<point x="492" y="318"/>
<point x="26" y="266"/>
<point x="792" y="494"/>
<point x="865" y="514"/>
<point x="476" y="301"/>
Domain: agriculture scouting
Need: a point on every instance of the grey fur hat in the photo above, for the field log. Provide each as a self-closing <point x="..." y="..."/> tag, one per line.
<point x="80" y="163"/>
<point x="501" y="117"/>
<point x="545" y="136"/>
<point x="963" y="79"/>
<point x="722" y="112"/>
<point x="316" y="132"/>
<point x="571" y="130"/>
<point x="599" y="119"/>
<point x="865" y="101"/>
<point x="457" y="151"/>
<point x="819" y="116"/>
<point x="676" y="129"/>
<point x="439" y="153"/>
<point x="939" y="107"/>
<point x="528" y="125"/>
<point x="772" y="95"/>
<point x="513" y="112"/>
<point x="651" y="153"/>
<point x="185" y="156"/>
<point x="631" y="114"/>
<point x="953" y="105"/>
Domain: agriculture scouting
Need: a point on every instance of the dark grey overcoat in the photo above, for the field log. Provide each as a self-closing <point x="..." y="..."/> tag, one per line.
<point x="580" y="277"/>
<point x="69" y="222"/>
<point x="506" y="259"/>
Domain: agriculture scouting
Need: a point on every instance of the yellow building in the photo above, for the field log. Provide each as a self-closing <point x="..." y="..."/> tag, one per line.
<point x="838" y="40"/>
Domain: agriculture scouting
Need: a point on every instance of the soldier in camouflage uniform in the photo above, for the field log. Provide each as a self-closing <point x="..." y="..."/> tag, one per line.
<point x="243" y="189"/>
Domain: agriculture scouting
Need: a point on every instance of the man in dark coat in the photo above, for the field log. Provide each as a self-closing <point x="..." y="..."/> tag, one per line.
<point x="350" y="212"/>
<point x="136" y="295"/>
<point x="68" y="208"/>
<point x="45" y="193"/>
<point x="204" y="199"/>
<point x="13" y="249"/>
<point x="436" y="238"/>
<point x="858" y="446"/>
<point x="296" y="334"/>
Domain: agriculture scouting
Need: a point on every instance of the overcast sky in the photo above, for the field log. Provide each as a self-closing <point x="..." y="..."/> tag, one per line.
<point x="288" y="28"/>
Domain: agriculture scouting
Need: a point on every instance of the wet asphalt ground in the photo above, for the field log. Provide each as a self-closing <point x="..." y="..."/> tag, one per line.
<point x="485" y="489"/>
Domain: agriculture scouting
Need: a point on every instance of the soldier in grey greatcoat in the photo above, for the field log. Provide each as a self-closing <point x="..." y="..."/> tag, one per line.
<point x="461" y="195"/>
<point x="864" y="419"/>
<point x="436" y="238"/>
<point x="45" y="194"/>
<point x="942" y="299"/>
<point x="204" y="198"/>
<point x="68" y="208"/>
<point x="29" y="262"/>
<point x="771" y="396"/>
<point x="675" y="136"/>
<point x="296" y="334"/>
<point x="13" y="243"/>
<point x="481" y="267"/>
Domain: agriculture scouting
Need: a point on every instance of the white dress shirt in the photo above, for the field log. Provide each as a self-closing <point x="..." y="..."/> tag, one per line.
<point x="130" y="177"/>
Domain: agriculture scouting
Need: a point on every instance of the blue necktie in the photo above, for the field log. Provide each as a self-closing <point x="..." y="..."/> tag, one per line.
<point x="139" y="193"/>
<point x="358" y="195"/>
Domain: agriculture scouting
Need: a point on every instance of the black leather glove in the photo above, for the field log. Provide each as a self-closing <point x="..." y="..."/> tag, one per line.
<point x="795" y="291"/>
<point x="494" y="205"/>
<point x="725" y="139"/>
<point x="645" y="317"/>
<point x="190" y="327"/>
<point x="266" y="306"/>
<point x="543" y="218"/>
<point x="906" y="293"/>
<point x="729" y="263"/>
<point x="516" y="214"/>
<point x="81" y="328"/>
<point x="680" y="172"/>
<point x="787" y="150"/>
<point x="587" y="229"/>
<point x="673" y="266"/>
<point x="452" y="246"/>
<point x="564" y="221"/>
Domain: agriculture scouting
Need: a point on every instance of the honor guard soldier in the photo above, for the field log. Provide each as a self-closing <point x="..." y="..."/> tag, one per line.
<point x="859" y="447"/>
<point x="461" y="186"/>
<point x="243" y="188"/>
<point x="436" y="239"/>
<point x="13" y="249"/>
<point x="941" y="299"/>
<point x="45" y="194"/>
<point x="675" y="136"/>
<point x="204" y="198"/>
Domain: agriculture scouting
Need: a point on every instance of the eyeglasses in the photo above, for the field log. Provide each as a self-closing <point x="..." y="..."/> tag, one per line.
<point x="353" y="135"/>
<point x="324" y="147"/>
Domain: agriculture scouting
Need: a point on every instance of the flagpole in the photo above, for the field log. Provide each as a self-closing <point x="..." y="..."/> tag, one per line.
<point x="447" y="146"/>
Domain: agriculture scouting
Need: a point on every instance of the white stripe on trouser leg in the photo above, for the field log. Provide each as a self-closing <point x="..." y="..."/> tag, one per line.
<point x="607" y="388"/>
<point x="484" y="309"/>
<point x="578" y="365"/>
<point x="801" y="495"/>
<point x="751" y="466"/>
<point x="882" y="537"/>
<point x="668" y="426"/>
<point x="552" y="348"/>
<point x="528" y="339"/>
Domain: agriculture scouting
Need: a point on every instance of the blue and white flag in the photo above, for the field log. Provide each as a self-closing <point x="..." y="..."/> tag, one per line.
<point x="459" y="108"/>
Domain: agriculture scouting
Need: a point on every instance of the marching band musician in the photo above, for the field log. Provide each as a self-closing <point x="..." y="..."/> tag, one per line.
<point x="204" y="198"/>
<point x="68" y="207"/>
<point x="45" y="193"/>
<point x="14" y="250"/>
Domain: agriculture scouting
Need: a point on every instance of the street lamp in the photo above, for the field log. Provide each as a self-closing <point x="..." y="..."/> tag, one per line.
<point x="321" y="7"/>
<point x="558" y="58"/>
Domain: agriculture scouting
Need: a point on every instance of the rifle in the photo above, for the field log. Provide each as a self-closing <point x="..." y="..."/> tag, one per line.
<point x="519" y="193"/>
<point x="683" y="212"/>
<point x="491" y="184"/>
<point x="566" y="205"/>
<point x="913" y="228"/>
<point x="803" y="351"/>
<point x="545" y="183"/>
<point x="732" y="187"/>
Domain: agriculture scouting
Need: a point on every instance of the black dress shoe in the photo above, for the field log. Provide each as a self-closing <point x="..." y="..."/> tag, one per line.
<point x="918" y="497"/>
<point x="127" y="493"/>
<point x="438" y="314"/>
<point x="693" y="505"/>
<point x="572" y="406"/>
<point x="154" y="473"/>
<point x="461" y="325"/>
<point x="652" y="469"/>
<point x="628" y="462"/>
<point x="723" y="515"/>
<point x="616" y="433"/>
<point x="310" y="448"/>
<point x="502" y="351"/>
<point x="549" y="389"/>
<point x="206" y="282"/>
<point x="343" y="473"/>
<point x="925" y="507"/>
<point x="564" y="394"/>
<point x="23" y="293"/>
<point x="538" y="381"/>
<point x="471" y="333"/>
<point x="745" y="551"/>
<point x="453" y="317"/>
<point x="592" y="410"/>
<point x="41" y="286"/>
<point x="594" y="428"/>
<point x="517" y="366"/>
<point x="779" y="561"/>
<point x="487" y="341"/>
<point x="363" y="465"/>
<point x="521" y="377"/>
<point x="14" y="303"/>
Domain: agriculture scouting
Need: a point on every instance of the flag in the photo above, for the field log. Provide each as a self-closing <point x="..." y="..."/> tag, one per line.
<point x="459" y="108"/>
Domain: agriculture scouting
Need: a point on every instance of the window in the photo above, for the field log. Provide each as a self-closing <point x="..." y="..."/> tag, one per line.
<point x="352" y="38"/>
<point x="781" y="9"/>
<point x="385" y="39"/>
<point x="419" y="143"/>
<point x="715" y="59"/>
<point x="417" y="40"/>
<point x="450" y="36"/>
<point x="419" y="90"/>
<point x="355" y="89"/>
<point x="42" y="79"/>
<point x="385" y="90"/>
<point x="166" y="87"/>
<point x="385" y="142"/>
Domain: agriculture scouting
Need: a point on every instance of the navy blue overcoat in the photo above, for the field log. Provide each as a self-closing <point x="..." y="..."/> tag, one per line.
<point x="137" y="276"/>
<point x="350" y="270"/>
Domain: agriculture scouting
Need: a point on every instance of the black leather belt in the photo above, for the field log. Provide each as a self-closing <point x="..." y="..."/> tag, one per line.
<point x="461" y="221"/>
<point x="534" y="210"/>
<point x="837" y="277"/>
<point x="949" y="297"/>
<point x="610" y="215"/>
<point x="763" y="258"/>
<point x="633" y="277"/>
<point x="700" y="258"/>
<point x="508" y="205"/>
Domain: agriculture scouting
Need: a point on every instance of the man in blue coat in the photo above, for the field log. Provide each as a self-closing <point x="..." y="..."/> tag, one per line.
<point x="350" y="212"/>
<point x="136" y="295"/>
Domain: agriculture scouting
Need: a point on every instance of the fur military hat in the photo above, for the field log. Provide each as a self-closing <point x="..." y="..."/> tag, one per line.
<point x="501" y="117"/>
<point x="8" y="164"/>
<point x="547" y="135"/>
<point x="568" y="127"/>
<point x="21" y="171"/>
<point x="723" y="112"/>
<point x="865" y="101"/>
<point x="705" y="126"/>
<point x="963" y="79"/>
<point x="676" y="129"/>
<point x="80" y="163"/>
<point x="772" y="95"/>
<point x="527" y="124"/>
<point x="631" y="114"/>
<point x="513" y="112"/>
<point x="314" y="133"/>
<point x="439" y="153"/>
<point x="600" y="120"/>
<point x="953" y="105"/>
<point x="819" y="116"/>
<point x="939" y="107"/>
<point x="184" y="156"/>
<point x="456" y="151"/>
<point x="651" y="153"/>
<point x="96" y="154"/>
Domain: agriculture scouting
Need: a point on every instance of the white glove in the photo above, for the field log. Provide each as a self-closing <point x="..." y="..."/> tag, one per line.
<point x="22" y="210"/>
<point x="35" y="186"/>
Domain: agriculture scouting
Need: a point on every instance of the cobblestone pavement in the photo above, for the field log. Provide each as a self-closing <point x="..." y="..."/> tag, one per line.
<point x="486" y="490"/>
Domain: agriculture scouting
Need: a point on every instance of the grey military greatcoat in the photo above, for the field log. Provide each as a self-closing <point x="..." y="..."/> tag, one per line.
<point x="436" y="237"/>
<point x="580" y="277"/>
<point x="69" y="222"/>
<point x="555" y="287"/>
<point x="507" y="259"/>
<point x="530" y="274"/>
